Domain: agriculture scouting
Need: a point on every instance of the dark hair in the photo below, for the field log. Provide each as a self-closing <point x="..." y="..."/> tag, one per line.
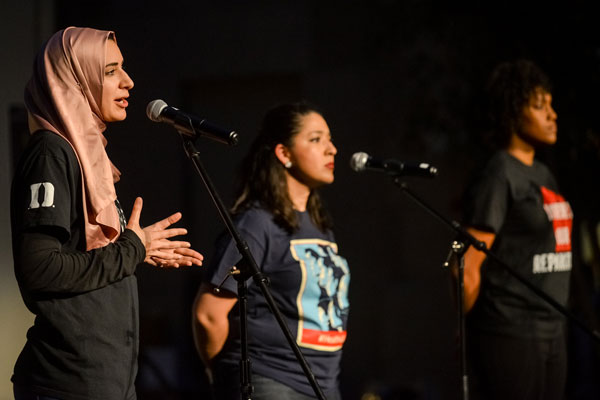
<point x="509" y="90"/>
<point x="263" y="179"/>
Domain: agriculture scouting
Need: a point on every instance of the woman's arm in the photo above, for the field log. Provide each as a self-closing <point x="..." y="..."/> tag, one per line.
<point x="473" y="261"/>
<point x="42" y="266"/>
<point x="210" y="324"/>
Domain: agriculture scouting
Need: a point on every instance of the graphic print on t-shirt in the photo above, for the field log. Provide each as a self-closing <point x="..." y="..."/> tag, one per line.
<point x="42" y="195"/>
<point x="323" y="297"/>
<point x="559" y="212"/>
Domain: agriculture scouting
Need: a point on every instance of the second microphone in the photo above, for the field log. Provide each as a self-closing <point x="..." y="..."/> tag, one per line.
<point x="362" y="161"/>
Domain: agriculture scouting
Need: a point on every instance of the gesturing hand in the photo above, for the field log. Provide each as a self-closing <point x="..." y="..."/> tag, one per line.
<point x="160" y="251"/>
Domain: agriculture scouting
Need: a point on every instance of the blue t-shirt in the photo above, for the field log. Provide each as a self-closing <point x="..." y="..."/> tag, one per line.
<point x="309" y="282"/>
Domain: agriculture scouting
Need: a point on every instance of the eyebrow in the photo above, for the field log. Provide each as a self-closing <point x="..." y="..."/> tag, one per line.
<point x="320" y="132"/>
<point x="115" y="64"/>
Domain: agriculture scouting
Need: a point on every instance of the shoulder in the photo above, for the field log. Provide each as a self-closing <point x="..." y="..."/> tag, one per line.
<point x="255" y="218"/>
<point x="47" y="158"/>
<point x="499" y="165"/>
<point x="49" y="144"/>
<point x="495" y="171"/>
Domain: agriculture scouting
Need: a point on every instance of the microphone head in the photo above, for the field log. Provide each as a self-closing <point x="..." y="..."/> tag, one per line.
<point x="358" y="162"/>
<point x="154" y="108"/>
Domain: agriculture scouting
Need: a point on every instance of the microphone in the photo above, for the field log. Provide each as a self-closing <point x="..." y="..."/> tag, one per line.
<point x="362" y="161"/>
<point x="188" y="125"/>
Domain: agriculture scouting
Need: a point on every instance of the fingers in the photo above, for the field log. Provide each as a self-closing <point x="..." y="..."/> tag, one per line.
<point x="167" y="233"/>
<point x="190" y="253"/>
<point x="188" y="262"/>
<point x="168" y="245"/>
<point x="173" y="218"/>
<point x="134" y="218"/>
<point x="190" y="257"/>
<point x="160" y="255"/>
<point x="150" y="260"/>
<point x="184" y="261"/>
<point x="166" y="222"/>
<point x="170" y="264"/>
<point x="159" y="262"/>
<point x="174" y="257"/>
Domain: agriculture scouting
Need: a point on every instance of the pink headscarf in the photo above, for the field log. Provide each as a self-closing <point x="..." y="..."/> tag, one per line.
<point x="64" y="96"/>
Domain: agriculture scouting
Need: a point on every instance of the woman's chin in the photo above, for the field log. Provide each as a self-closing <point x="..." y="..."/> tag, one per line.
<point x="116" y="117"/>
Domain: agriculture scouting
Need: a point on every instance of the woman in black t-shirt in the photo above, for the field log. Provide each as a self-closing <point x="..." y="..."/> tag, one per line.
<point x="516" y="341"/>
<point x="75" y="255"/>
<point x="280" y="216"/>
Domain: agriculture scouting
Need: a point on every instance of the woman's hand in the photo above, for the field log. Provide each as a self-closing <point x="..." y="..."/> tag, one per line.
<point x="186" y="256"/>
<point x="160" y="251"/>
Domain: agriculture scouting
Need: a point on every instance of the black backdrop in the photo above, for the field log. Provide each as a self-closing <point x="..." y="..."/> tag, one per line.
<point x="393" y="78"/>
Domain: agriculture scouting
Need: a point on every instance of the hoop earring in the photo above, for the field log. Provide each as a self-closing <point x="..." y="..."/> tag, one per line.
<point x="288" y="164"/>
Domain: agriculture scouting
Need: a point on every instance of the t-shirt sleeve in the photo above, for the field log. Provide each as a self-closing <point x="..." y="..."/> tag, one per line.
<point x="43" y="193"/>
<point x="254" y="230"/>
<point x="486" y="203"/>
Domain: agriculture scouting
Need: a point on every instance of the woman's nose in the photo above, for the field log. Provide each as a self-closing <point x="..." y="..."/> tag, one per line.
<point x="127" y="82"/>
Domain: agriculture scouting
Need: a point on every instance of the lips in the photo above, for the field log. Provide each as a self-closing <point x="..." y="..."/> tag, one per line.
<point x="330" y="165"/>
<point x="122" y="102"/>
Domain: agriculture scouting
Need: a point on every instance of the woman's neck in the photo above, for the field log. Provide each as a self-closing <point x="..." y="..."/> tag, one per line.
<point x="298" y="192"/>
<point x="521" y="150"/>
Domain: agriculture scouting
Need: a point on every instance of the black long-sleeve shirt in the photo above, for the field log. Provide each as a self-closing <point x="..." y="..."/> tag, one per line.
<point x="84" y="342"/>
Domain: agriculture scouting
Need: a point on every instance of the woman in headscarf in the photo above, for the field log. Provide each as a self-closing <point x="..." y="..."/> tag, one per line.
<point x="75" y="255"/>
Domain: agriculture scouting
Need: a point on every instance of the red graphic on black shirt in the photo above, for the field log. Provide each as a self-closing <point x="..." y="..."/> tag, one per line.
<point x="559" y="212"/>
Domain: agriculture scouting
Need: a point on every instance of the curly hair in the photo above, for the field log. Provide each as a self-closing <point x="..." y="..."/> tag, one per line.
<point x="509" y="90"/>
<point x="263" y="179"/>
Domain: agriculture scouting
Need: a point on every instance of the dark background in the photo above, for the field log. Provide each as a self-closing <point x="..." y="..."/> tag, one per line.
<point x="398" y="79"/>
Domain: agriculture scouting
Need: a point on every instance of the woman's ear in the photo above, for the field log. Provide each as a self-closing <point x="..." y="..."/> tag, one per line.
<point x="283" y="155"/>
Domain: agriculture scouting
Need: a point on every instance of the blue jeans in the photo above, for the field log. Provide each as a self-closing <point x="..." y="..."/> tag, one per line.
<point x="22" y="393"/>
<point x="267" y="389"/>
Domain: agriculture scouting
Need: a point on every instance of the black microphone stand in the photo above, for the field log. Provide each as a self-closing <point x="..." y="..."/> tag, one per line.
<point x="456" y="255"/>
<point x="244" y="270"/>
<point x="459" y="247"/>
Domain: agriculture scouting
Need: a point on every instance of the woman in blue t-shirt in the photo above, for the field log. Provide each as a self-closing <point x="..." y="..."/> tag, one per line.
<point x="516" y="341"/>
<point x="279" y="213"/>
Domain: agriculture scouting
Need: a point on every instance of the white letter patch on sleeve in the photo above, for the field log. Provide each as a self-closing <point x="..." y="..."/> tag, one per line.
<point x="48" y="200"/>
